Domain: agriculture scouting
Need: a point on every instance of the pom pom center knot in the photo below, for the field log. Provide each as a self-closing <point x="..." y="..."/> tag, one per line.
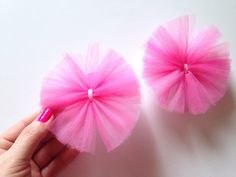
<point x="186" y="68"/>
<point x="90" y="94"/>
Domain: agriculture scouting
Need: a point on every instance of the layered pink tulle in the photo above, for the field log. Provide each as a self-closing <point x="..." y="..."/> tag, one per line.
<point x="188" y="70"/>
<point x="98" y="92"/>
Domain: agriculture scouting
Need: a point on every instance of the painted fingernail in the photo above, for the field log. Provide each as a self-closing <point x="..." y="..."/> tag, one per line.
<point x="45" y="115"/>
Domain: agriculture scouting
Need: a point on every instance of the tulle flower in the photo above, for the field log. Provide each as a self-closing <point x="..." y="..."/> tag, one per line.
<point x="95" y="93"/>
<point x="187" y="69"/>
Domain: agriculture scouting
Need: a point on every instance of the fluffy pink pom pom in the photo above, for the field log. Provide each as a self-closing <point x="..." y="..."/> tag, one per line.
<point x="188" y="71"/>
<point x="96" y="92"/>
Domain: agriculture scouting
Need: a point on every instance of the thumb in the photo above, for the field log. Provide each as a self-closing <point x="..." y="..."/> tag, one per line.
<point x="31" y="136"/>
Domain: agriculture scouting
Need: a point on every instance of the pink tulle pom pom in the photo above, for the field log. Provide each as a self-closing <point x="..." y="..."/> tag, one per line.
<point x="98" y="92"/>
<point x="188" y="71"/>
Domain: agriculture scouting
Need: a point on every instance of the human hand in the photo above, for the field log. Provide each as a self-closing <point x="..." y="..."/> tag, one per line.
<point x="27" y="149"/>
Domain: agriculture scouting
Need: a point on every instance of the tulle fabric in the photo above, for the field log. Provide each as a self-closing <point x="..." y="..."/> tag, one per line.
<point x="188" y="70"/>
<point x="112" y="110"/>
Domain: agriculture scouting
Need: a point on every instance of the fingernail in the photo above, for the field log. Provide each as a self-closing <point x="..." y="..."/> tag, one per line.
<point x="45" y="115"/>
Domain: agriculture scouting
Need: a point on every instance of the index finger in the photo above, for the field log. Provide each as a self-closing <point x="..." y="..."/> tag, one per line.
<point x="13" y="132"/>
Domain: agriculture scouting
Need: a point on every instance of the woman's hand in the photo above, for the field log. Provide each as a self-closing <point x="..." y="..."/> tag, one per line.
<point x="27" y="149"/>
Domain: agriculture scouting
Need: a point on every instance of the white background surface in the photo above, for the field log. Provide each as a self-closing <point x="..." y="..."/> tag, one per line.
<point x="34" y="35"/>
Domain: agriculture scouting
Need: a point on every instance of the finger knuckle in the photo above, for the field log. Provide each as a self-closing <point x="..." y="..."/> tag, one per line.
<point x="29" y="131"/>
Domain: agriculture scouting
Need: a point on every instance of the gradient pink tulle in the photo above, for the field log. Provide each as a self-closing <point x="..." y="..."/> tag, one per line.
<point x="188" y="71"/>
<point x="98" y="92"/>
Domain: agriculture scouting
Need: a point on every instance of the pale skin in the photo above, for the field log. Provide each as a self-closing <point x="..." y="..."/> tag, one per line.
<point x="27" y="149"/>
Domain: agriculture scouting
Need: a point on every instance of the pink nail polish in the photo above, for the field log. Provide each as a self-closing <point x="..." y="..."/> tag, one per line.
<point x="45" y="115"/>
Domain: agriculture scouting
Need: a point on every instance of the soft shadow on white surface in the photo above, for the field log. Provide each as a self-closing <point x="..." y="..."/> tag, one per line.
<point x="192" y="145"/>
<point x="136" y="157"/>
<point x="207" y="125"/>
